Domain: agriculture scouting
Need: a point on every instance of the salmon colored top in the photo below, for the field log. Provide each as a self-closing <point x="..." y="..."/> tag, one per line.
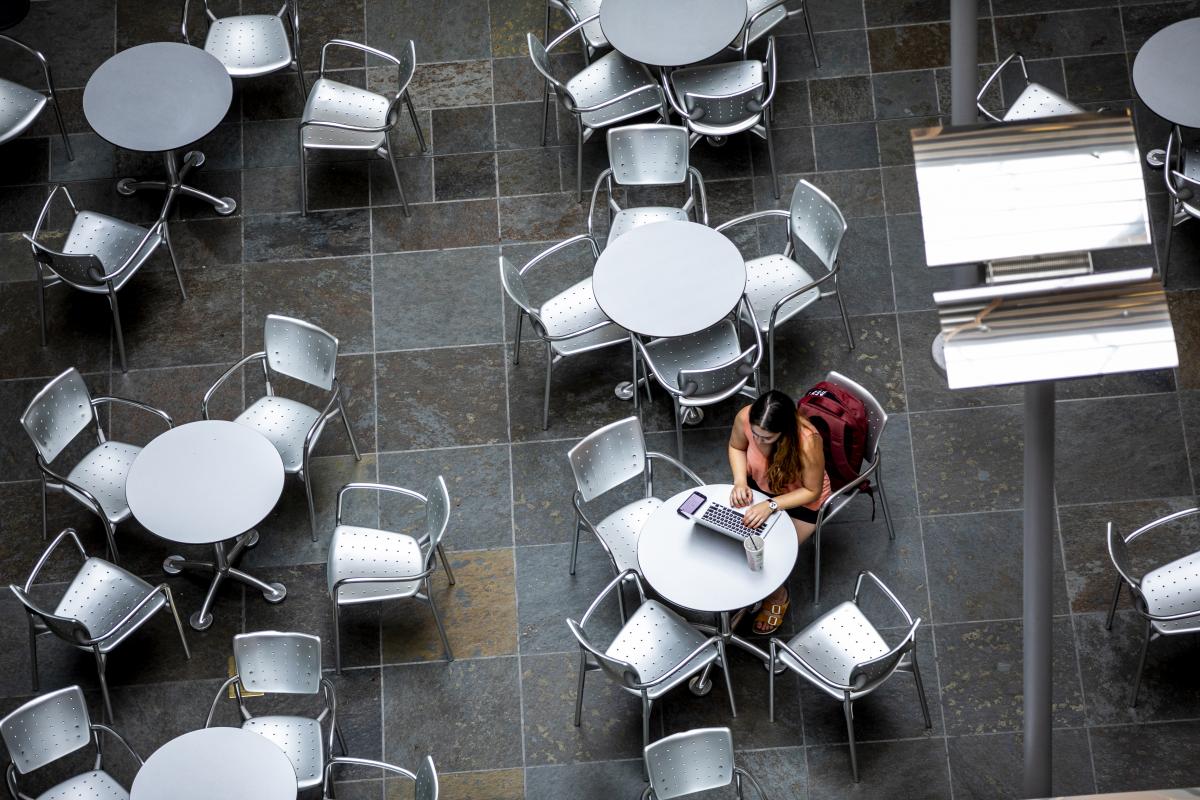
<point x="756" y="465"/>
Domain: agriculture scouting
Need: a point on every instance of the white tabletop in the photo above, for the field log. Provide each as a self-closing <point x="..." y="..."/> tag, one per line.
<point x="204" y="482"/>
<point x="225" y="763"/>
<point x="1164" y="73"/>
<point x="158" y="96"/>
<point x="671" y="33"/>
<point x="703" y="570"/>
<point x="669" y="278"/>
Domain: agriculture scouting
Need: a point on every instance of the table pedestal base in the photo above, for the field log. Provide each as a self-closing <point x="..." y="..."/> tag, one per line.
<point x="1156" y="158"/>
<point x="701" y="684"/>
<point x="222" y="568"/>
<point x="175" y="186"/>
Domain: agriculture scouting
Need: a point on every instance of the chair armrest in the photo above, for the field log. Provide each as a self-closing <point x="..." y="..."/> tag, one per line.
<point x="677" y="464"/>
<point x="777" y="643"/>
<point x="672" y="390"/>
<point x="310" y="436"/>
<point x="96" y="726"/>
<point x="620" y="98"/>
<point x="378" y="487"/>
<point x="858" y="585"/>
<point x="41" y="59"/>
<point x="357" y="46"/>
<point x="698" y="181"/>
<point x="792" y="295"/>
<point x="565" y="243"/>
<point x="992" y="79"/>
<point x="259" y="356"/>
<point x="63" y="535"/>
<point x="222" y="692"/>
<point x="101" y="277"/>
<point x="669" y="93"/>
<point x="612" y="585"/>
<point x="774" y="212"/>
<point x="605" y="177"/>
<point x="1187" y="512"/>
<point x="350" y="761"/>
<point x="91" y="498"/>
<point x="158" y="412"/>
<point x="162" y="589"/>
<point x="579" y="23"/>
<point x="683" y="662"/>
<point x="849" y="487"/>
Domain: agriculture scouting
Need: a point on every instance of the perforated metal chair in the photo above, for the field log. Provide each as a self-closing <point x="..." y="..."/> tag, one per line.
<point x="611" y="89"/>
<point x="654" y="652"/>
<point x="300" y="350"/>
<point x="51" y="727"/>
<point x="20" y="105"/>
<point x="100" y="608"/>
<point x="777" y="286"/>
<point x="1181" y="174"/>
<point x="702" y="369"/>
<point x="569" y="323"/>
<point x="338" y="116"/>
<point x="716" y="101"/>
<point x="591" y="35"/>
<point x="1034" y="101"/>
<point x="694" y="761"/>
<point x="763" y="16"/>
<point x="99" y="256"/>
<point x="425" y="779"/>
<point x="648" y="155"/>
<point x="62" y="410"/>
<point x="605" y="459"/>
<point x="369" y="565"/>
<point x="844" y="655"/>
<point x="253" y="45"/>
<point x="1166" y="597"/>
<point x="277" y="663"/>
<point x="869" y="473"/>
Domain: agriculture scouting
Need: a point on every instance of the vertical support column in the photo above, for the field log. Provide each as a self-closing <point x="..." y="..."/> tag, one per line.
<point x="964" y="85"/>
<point x="1038" y="584"/>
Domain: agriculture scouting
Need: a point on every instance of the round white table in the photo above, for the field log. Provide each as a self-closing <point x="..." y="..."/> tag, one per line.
<point x="160" y="97"/>
<point x="205" y="483"/>
<point x="671" y="33"/>
<point x="225" y="763"/>
<point x="1164" y="73"/>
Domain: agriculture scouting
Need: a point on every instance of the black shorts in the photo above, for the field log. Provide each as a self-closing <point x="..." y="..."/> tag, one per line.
<point x="801" y="513"/>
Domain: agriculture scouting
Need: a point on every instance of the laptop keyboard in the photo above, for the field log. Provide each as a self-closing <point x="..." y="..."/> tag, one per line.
<point x="729" y="520"/>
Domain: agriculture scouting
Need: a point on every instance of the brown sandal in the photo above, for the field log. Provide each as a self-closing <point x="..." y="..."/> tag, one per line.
<point x="770" y="616"/>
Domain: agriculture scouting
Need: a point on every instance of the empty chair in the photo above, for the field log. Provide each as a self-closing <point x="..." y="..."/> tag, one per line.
<point x="1181" y="173"/>
<point x="777" y="286"/>
<point x="99" y="256"/>
<point x="648" y="155"/>
<point x="720" y="100"/>
<point x="611" y="89"/>
<point x="702" y="369"/>
<point x="1034" y="101"/>
<point x="591" y="35"/>
<point x="694" y="761"/>
<point x="1166" y="597"/>
<point x="338" y="116"/>
<point x="763" y="16"/>
<point x="100" y="608"/>
<point x="425" y="779"/>
<point x="50" y="727"/>
<point x="569" y="322"/>
<point x="62" y="410"/>
<point x="369" y="565"/>
<point x="252" y="45"/>
<point x="844" y="655"/>
<point x="276" y="663"/>
<point x="653" y="653"/>
<point x="295" y="349"/>
<point x="605" y="459"/>
<point x="870" y="477"/>
<point x="20" y="105"/>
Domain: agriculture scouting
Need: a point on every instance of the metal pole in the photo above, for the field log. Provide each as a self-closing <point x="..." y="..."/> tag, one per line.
<point x="964" y="84"/>
<point x="1038" y="583"/>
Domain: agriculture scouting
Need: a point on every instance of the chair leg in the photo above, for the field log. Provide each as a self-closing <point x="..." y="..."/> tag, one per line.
<point x="621" y="605"/>
<point x="545" y="114"/>
<point x="312" y="508"/>
<point x="178" y="624"/>
<point x="579" y="687"/>
<point x="771" y="359"/>
<point x="845" y="317"/>
<point x="816" y="538"/>
<point x="1141" y="665"/>
<point x="33" y="662"/>
<point x="812" y="40"/>
<point x="337" y="639"/>
<point x="101" y="665"/>
<point x="303" y="84"/>
<point x="516" y="356"/>
<point x="438" y="619"/>
<point x="412" y="114"/>
<point x="848" y="710"/>
<point x="647" y="707"/>
<point x="771" y="156"/>
<point x="916" y="671"/>
<point x="174" y="260"/>
<point x="887" y="512"/>
<point x="578" y="159"/>
<point x="678" y="429"/>
<point x="575" y="543"/>
<point x="45" y="519"/>
<point x="771" y="683"/>
<point x="303" y="176"/>
<point x="116" y="315"/>
<point x="446" y="564"/>
<point x="1112" y="611"/>
<point x="62" y="128"/>
<point x="546" y="392"/>
<point x="349" y="431"/>
<point x="723" y="654"/>
<point x="391" y="157"/>
<point x="110" y="534"/>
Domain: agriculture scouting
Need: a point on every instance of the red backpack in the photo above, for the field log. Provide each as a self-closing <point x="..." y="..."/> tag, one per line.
<point x="841" y="419"/>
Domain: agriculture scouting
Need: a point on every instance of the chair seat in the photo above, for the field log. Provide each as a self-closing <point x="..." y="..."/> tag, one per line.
<point x="1174" y="589"/>
<point x="250" y="45"/>
<point x="630" y="218"/>
<point x="722" y="117"/>
<point x="766" y="22"/>
<point x="592" y="33"/>
<point x="620" y="530"/>
<point x="102" y="473"/>
<point x="574" y="310"/>
<point x="1038" y="101"/>
<point x="300" y="738"/>
<point x="112" y="241"/>
<point x="708" y="348"/>
<point x="285" y="422"/>
<point x="770" y="278"/>
<point x="19" y="107"/>
<point x="612" y="76"/>
<point x="94" y="785"/>
<point x="101" y="594"/>
<point x="369" y="553"/>
<point x="655" y="639"/>
<point x="330" y="101"/>
<point x="834" y="645"/>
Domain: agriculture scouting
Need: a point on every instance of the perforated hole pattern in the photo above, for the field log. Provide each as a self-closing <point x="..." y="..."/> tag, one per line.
<point x="816" y="222"/>
<point x="647" y="155"/>
<point x="46" y="729"/>
<point x="571" y="310"/>
<point x="690" y="762"/>
<point x="283" y="663"/>
<point x="608" y="457"/>
<point x="1037" y="101"/>
<point x="16" y="104"/>
<point x="337" y="102"/>
<point x="723" y="92"/>
<point x="608" y="77"/>
<point x="249" y="42"/>
<point x="1175" y="588"/>
<point x="654" y="640"/>
<point x="58" y="413"/>
<point x="300" y="350"/>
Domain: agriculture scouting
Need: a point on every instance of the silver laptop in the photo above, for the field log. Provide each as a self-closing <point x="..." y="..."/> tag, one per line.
<point x="720" y="517"/>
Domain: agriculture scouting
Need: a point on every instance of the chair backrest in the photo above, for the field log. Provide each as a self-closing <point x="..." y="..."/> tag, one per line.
<point x="74" y="268"/>
<point x="648" y="155"/>
<point x="273" y="662"/>
<point x="607" y="457"/>
<point x="437" y="514"/>
<point x="867" y="675"/>
<point x="426" y="786"/>
<point x="541" y="62"/>
<point x="729" y="104"/>
<point x="720" y="379"/>
<point x="1118" y="551"/>
<point x="47" y="728"/>
<point x="620" y="671"/>
<point x="690" y="762"/>
<point x="514" y="286"/>
<point x="817" y="223"/>
<point x="876" y="417"/>
<point x="407" y="56"/>
<point x="58" y="413"/>
<point x="300" y="350"/>
<point x="65" y="628"/>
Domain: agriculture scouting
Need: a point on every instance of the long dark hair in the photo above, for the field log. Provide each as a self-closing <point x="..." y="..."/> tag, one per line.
<point x="774" y="411"/>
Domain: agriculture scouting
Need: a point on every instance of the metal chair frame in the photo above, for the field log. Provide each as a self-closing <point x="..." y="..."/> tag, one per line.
<point x="1154" y="622"/>
<point x="747" y="39"/>
<point x="996" y="73"/>
<point x="715" y="745"/>
<point x="1181" y="190"/>
<point x="52" y="481"/>
<point x="589" y="52"/>
<point x="866" y="676"/>
<point x="425" y="779"/>
<point x="45" y="259"/>
<point x="75" y="632"/>
<point x="404" y="75"/>
<point x="63" y="748"/>
<point x="290" y="8"/>
<point x="333" y="406"/>
<point x="51" y="96"/>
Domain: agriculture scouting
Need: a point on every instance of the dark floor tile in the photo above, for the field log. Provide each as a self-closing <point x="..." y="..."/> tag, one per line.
<point x="843" y="52"/>
<point x="21" y="531"/>
<point x="542" y="490"/>
<point x="528" y="171"/>
<point x="324" y="21"/>
<point x="335" y="184"/>
<point x="991" y="767"/>
<point x="434" y="226"/>
<point x="793" y="151"/>
<point x="1093" y="79"/>
<point x="791" y="104"/>
<point x="333" y="294"/>
<point x="26" y="160"/>
<point x="322" y="233"/>
<point x="1183" y="306"/>
<point x="1189" y="407"/>
<point x="515" y="79"/>
<point x="205" y="243"/>
<point x="270" y="144"/>
<point x="895" y="143"/>
<point x="453" y="85"/>
<point x="176" y="390"/>
<point x="835" y="100"/>
<point x="926" y="383"/>
<point x="75" y="57"/>
<point x="495" y="784"/>
<point x="416" y="177"/>
<point x="140" y="718"/>
<point x="905" y="94"/>
<point x="891" y="12"/>
<point x="519" y="126"/>
<point x="923" y="46"/>
<point x="910" y="769"/>
<point x="593" y="781"/>
<point x="846" y="146"/>
<point x="540" y="218"/>
<point x="546" y="593"/>
<point x="447" y="30"/>
<point x="464" y="177"/>
<point x="78" y="330"/>
<point x="1121" y="755"/>
<point x="1140" y="21"/>
<point x="968" y="460"/>
<point x="93" y="160"/>
<point x="462" y="130"/>
<point x="1064" y="34"/>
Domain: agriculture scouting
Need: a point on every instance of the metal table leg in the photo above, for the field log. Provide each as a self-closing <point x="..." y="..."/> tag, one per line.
<point x="222" y="568"/>
<point x="701" y="684"/>
<point x="174" y="185"/>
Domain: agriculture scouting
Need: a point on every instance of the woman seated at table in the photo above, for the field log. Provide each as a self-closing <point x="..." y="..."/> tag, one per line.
<point x="775" y="450"/>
